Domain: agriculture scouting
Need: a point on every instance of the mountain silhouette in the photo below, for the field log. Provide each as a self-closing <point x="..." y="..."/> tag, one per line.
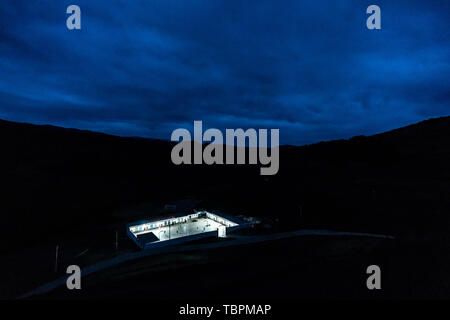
<point x="56" y="179"/>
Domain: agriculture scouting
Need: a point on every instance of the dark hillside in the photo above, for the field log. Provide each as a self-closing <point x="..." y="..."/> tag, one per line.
<point x="54" y="179"/>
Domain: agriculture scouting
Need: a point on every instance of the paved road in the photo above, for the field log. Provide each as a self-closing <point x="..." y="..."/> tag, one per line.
<point x="239" y="240"/>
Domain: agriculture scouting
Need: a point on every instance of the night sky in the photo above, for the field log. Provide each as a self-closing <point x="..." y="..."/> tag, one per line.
<point x="144" y="68"/>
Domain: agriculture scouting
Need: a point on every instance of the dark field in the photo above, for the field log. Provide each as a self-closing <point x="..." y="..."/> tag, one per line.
<point x="75" y="189"/>
<point x="304" y="267"/>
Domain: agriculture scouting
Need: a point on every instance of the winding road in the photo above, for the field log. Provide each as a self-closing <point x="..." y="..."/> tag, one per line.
<point x="239" y="240"/>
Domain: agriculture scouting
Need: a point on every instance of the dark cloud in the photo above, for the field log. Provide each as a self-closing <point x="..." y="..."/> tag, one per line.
<point x="145" y="68"/>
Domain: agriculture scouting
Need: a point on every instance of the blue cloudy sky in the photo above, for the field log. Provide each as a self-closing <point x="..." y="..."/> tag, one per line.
<point x="144" y="68"/>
